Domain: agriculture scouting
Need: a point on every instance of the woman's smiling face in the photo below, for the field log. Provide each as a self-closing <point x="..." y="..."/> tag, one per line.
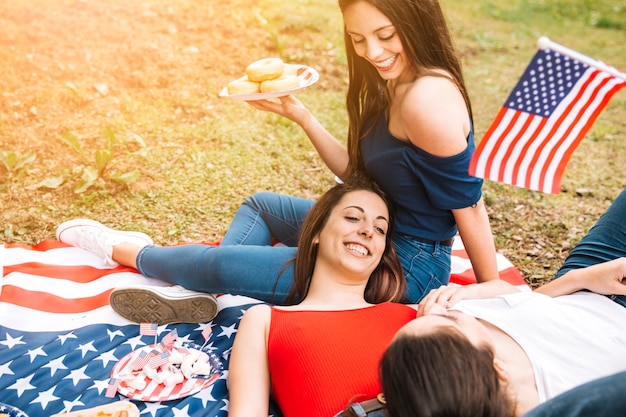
<point x="354" y="236"/>
<point x="375" y="39"/>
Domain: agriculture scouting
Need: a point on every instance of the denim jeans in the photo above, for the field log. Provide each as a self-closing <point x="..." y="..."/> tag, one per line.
<point x="605" y="241"/>
<point x="245" y="263"/>
<point x="603" y="397"/>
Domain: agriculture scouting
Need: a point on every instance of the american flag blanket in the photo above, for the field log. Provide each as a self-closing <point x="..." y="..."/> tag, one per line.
<point x="60" y="340"/>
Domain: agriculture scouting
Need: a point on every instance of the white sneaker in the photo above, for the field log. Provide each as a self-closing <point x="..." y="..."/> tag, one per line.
<point x="163" y="305"/>
<point x="97" y="238"/>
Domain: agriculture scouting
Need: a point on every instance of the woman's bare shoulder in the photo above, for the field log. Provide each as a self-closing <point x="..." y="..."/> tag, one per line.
<point x="258" y="313"/>
<point x="435" y="116"/>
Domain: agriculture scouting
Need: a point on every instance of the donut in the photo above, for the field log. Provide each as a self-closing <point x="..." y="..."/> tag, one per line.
<point x="242" y="86"/>
<point x="265" y="69"/>
<point x="290" y="69"/>
<point x="284" y="82"/>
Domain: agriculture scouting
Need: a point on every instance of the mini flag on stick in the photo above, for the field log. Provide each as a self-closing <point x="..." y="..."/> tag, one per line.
<point x="158" y="360"/>
<point x="169" y="339"/>
<point x="148" y="329"/>
<point x="112" y="388"/>
<point x="141" y="360"/>
<point x="544" y="119"/>
<point x="206" y="332"/>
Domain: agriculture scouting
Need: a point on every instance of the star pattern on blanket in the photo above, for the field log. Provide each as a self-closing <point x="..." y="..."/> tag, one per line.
<point x="47" y="385"/>
<point x="57" y="357"/>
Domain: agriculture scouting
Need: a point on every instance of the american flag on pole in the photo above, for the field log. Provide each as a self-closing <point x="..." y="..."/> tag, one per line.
<point x="158" y="360"/>
<point x="206" y="332"/>
<point x="544" y="119"/>
<point x="141" y="360"/>
<point x="169" y="339"/>
<point x="148" y="329"/>
<point x="112" y="387"/>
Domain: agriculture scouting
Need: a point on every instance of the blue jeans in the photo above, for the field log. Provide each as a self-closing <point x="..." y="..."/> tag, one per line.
<point x="245" y="263"/>
<point x="603" y="397"/>
<point x="605" y="241"/>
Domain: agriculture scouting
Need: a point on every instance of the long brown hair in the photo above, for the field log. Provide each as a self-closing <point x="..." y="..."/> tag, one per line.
<point x="387" y="281"/>
<point x="423" y="31"/>
<point x="441" y="374"/>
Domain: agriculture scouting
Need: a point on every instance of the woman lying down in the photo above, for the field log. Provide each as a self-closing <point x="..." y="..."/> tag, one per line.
<point x="490" y="349"/>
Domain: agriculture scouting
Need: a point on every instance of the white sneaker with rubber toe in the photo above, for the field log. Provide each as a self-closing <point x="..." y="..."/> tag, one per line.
<point x="96" y="238"/>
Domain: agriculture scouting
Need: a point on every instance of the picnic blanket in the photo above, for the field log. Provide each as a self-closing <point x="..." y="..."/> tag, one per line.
<point x="60" y="339"/>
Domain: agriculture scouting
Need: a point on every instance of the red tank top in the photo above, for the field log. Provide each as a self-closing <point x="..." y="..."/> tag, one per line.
<point x="320" y="360"/>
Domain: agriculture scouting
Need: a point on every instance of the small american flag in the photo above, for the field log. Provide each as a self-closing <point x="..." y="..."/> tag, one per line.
<point x="169" y="339"/>
<point x="544" y="119"/>
<point x="148" y="329"/>
<point x="112" y="388"/>
<point x="158" y="360"/>
<point x="141" y="360"/>
<point x="206" y="332"/>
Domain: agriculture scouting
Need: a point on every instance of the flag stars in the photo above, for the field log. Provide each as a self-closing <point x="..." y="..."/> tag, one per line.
<point x="228" y="331"/>
<point x="33" y="353"/>
<point x="64" y="337"/>
<point x="69" y="405"/>
<point x="113" y="334"/>
<point x="55" y="365"/>
<point x="545" y="83"/>
<point x="107" y="357"/>
<point x="100" y="385"/>
<point x="87" y="348"/>
<point x="77" y="375"/>
<point x="5" y="369"/>
<point x="181" y="413"/>
<point x="22" y="384"/>
<point x="46" y="397"/>
<point x="152" y="408"/>
<point x="134" y="342"/>
<point x="11" y="341"/>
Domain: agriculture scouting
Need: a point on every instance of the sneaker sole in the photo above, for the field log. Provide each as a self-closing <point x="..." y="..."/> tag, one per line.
<point x="69" y="225"/>
<point x="142" y="305"/>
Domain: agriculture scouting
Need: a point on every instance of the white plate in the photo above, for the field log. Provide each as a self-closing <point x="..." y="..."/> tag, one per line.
<point x="307" y="75"/>
<point x="153" y="391"/>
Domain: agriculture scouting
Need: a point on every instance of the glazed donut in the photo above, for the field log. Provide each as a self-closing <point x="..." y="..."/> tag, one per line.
<point x="242" y="86"/>
<point x="265" y="69"/>
<point x="284" y="82"/>
<point x="290" y="69"/>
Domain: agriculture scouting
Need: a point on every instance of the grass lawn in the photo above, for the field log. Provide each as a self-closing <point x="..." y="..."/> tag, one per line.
<point x="109" y="110"/>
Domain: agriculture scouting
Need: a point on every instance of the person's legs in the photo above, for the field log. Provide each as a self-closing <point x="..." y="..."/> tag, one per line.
<point x="602" y="397"/>
<point x="265" y="217"/>
<point x="426" y="265"/>
<point x="252" y="271"/>
<point x="261" y="272"/>
<point x="605" y="241"/>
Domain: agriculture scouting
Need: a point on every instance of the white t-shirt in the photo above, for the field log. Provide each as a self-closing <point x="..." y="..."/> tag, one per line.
<point x="569" y="340"/>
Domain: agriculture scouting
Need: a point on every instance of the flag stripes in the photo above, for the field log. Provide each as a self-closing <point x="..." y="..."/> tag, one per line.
<point x="529" y="145"/>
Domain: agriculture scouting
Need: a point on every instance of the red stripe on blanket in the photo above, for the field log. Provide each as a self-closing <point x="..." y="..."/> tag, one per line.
<point x="50" y="303"/>
<point x="42" y="246"/>
<point x="510" y="275"/>
<point x="80" y="274"/>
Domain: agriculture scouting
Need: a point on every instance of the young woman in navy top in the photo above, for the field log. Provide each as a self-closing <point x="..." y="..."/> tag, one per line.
<point x="410" y="129"/>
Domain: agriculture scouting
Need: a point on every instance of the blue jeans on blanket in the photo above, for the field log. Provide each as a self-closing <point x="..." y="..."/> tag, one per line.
<point x="245" y="263"/>
<point x="603" y="397"/>
<point x="605" y="241"/>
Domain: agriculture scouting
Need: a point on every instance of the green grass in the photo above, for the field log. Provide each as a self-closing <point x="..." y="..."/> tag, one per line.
<point x="199" y="155"/>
